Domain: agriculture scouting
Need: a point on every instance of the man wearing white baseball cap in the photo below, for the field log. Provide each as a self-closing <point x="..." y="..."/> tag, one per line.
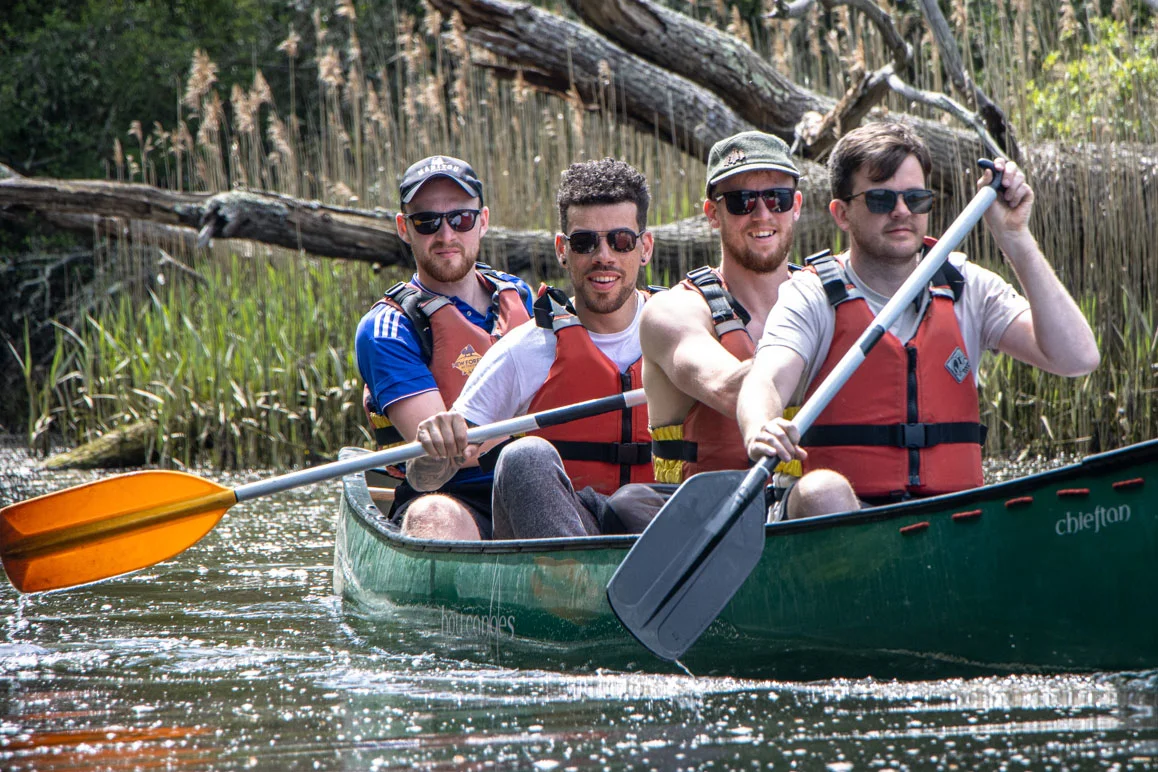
<point x="419" y="343"/>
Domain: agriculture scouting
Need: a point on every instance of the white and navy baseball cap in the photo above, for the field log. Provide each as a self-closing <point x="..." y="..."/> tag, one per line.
<point x="439" y="166"/>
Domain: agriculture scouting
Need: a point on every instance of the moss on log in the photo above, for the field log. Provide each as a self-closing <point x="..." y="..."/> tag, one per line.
<point x="130" y="445"/>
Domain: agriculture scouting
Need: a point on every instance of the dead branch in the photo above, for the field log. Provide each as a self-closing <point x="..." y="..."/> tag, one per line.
<point x="996" y="128"/>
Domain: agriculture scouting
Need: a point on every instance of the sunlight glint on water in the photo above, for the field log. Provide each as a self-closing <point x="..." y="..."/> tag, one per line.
<point x="236" y="655"/>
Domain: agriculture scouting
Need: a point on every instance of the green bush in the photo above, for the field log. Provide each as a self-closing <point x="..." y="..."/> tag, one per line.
<point x="1109" y="91"/>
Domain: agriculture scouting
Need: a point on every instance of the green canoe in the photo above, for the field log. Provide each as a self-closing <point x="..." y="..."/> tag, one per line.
<point x="1054" y="572"/>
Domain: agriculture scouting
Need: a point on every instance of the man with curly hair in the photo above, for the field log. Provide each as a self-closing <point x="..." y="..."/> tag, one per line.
<point x="577" y="348"/>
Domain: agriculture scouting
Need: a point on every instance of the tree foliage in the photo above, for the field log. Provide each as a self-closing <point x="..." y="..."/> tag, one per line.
<point x="1111" y="87"/>
<point x="77" y="72"/>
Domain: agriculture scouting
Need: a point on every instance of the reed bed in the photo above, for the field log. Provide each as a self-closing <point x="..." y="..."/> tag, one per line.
<point x="253" y="365"/>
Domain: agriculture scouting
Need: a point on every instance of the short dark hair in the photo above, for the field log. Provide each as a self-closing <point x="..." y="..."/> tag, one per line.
<point x="879" y="147"/>
<point x="602" y="182"/>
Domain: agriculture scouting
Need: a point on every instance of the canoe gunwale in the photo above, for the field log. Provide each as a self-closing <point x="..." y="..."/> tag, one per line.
<point x="356" y="492"/>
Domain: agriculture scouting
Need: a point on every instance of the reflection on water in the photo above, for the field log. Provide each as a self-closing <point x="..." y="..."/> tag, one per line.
<point x="236" y="655"/>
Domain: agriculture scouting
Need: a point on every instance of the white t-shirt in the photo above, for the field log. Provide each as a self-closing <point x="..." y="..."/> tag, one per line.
<point x="513" y="370"/>
<point x="803" y="319"/>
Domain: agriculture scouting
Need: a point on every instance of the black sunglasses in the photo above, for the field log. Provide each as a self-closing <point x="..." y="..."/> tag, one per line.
<point x="461" y="220"/>
<point x="619" y="239"/>
<point x="741" y="202"/>
<point x="883" y="201"/>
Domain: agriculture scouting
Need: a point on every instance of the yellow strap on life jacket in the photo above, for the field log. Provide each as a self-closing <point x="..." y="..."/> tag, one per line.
<point x="667" y="470"/>
<point x="793" y="468"/>
<point x="671" y="470"/>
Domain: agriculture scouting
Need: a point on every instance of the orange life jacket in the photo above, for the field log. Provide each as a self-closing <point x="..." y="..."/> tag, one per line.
<point x="709" y="439"/>
<point x="451" y="345"/>
<point x="907" y="423"/>
<point x="605" y="451"/>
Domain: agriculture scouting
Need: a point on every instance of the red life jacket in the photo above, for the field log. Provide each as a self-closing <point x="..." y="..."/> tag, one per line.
<point x="605" y="451"/>
<point x="710" y="440"/>
<point x="451" y="345"/>
<point x="907" y="423"/>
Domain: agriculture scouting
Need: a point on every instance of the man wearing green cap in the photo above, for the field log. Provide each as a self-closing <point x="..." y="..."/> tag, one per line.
<point x="697" y="338"/>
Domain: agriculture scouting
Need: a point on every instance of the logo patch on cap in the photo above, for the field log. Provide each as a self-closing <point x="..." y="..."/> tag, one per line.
<point x="736" y="156"/>
<point x="958" y="365"/>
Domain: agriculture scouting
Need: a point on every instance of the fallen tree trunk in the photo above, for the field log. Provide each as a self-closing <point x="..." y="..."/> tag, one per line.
<point x="318" y="229"/>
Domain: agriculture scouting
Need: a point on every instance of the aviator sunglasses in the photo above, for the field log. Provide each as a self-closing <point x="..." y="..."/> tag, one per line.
<point x="460" y="220"/>
<point x="619" y="239"/>
<point x="741" y="202"/>
<point x="883" y="201"/>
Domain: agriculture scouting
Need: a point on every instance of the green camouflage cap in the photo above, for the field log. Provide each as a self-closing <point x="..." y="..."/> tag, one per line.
<point x="748" y="151"/>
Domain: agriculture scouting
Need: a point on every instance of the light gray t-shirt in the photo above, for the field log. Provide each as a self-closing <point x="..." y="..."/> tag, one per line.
<point x="513" y="370"/>
<point x="803" y="320"/>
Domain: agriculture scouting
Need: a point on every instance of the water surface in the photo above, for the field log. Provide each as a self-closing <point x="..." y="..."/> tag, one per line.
<point x="237" y="655"/>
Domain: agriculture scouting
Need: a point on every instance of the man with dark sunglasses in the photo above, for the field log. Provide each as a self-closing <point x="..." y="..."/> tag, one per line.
<point x="563" y="482"/>
<point x="907" y="423"/>
<point x="417" y="346"/>
<point x="698" y="338"/>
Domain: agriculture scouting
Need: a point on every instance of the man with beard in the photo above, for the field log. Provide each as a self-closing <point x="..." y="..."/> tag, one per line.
<point x="416" y="346"/>
<point x="907" y="423"/>
<point x="584" y="347"/>
<point x="697" y="338"/>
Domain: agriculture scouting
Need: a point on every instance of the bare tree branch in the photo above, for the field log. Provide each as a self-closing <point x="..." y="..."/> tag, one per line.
<point x="947" y="104"/>
<point x="902" y="51"/>
<point x="994" y="119"/>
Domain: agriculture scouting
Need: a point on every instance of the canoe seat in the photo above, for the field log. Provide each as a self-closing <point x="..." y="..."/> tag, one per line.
<point x="382" y="496"/>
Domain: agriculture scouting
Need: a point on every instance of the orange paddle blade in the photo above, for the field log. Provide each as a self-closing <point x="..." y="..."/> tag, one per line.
<point x="106" y="528"/>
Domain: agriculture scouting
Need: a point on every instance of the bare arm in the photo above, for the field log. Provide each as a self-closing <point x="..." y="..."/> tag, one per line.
<point x="776" y="370"/>
<point x="676" y="334"/>
<point x="1053" y="335"/>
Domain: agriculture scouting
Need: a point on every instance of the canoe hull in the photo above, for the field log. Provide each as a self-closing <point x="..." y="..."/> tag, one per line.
<point x="1049" y="573"/>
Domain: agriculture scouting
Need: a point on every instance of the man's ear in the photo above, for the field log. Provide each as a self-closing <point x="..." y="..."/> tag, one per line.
<point x="561" y="248"/>
<point x="839" y="211"/>
<point x="484" y="221"/>
<point x="711" y="211"/>
<point x="402" y="225"/>
<point x="647" y="240"/>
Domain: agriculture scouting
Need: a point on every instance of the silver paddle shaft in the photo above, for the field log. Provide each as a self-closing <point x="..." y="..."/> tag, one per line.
<point x="413" y="450"/>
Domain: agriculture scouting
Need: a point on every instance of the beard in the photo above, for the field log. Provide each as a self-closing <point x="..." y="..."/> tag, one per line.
<point x="735" y="245"/>
<point x="447" y="271"/>
<point x="599" y="302"/>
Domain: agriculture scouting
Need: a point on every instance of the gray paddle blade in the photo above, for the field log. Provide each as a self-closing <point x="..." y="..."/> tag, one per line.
<point x="689" y="562"/>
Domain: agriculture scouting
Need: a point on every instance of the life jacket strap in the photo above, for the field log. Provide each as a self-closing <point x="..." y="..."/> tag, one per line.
<point x="675" y="450"/>
<point x="917" y="435"/>
<point x="831" y="273"/>
<point x="727" y="312"/>
<point x="619" y="453"/>
<point x="501" y="285"/>
<point x="553" y="309"/>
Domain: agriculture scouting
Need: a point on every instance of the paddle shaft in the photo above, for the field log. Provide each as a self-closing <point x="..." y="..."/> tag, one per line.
<point x="73" y="535"/>
<point x="413" y="450"/>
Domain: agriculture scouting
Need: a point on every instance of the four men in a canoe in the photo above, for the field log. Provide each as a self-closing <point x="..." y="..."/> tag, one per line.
<point x="697" y="345"/>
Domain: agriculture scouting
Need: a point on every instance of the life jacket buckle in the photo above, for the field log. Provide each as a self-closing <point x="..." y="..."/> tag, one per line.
<point x="632" y="453"/>
<point x="913" y="436"/>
